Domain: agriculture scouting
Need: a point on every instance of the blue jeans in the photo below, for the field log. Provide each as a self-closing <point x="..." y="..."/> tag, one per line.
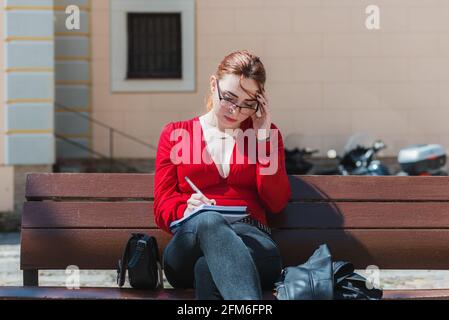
<point x="221" y="260"/>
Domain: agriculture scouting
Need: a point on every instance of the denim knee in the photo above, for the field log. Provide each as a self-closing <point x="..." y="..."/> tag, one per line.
<point x="209" y="220"/>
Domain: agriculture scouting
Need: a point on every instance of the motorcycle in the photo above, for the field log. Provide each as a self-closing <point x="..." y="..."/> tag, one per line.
<point x="357" y="159"/>
<point x="296" y="160"/>
<point x="422" y="160"/>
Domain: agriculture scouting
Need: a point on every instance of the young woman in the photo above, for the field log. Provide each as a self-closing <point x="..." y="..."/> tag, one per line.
<point x="223" y="260"/>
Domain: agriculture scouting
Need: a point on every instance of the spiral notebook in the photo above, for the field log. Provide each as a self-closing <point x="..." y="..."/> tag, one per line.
<point x="230" y="213"/>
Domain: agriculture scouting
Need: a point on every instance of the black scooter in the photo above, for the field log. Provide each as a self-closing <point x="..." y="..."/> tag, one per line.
<point x="296" y="160"/>
<point x="360" y="161"/>
<point x="357" y="160"/>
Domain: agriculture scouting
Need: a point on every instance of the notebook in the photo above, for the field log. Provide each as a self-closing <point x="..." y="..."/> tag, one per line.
<point x="230" y="213"/>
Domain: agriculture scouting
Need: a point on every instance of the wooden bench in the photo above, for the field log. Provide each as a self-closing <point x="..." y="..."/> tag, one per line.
<point x="85" y="220"/>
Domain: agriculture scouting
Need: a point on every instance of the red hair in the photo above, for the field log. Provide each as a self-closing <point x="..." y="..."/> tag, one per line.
<point x="241" y="63"/>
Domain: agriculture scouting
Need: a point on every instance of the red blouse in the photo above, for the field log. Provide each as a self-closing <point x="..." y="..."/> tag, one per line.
<point x="246" y="185"/>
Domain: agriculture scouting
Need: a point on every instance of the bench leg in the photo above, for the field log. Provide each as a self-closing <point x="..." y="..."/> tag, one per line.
<point x="31" y="277"/>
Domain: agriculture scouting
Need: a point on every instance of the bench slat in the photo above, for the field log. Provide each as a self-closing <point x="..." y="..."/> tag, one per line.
<point x="93" y="293"/>
<point x="310" y="188"/>
<point x="139" y="214"/>
<point x="388" y="249"/>
<point x="379" y="188"/>
<point x="85" y="248"/>
<point x="171" y="294"/>
<point x="375" y="215"/>
<point x="52" y="214"/>
<point x="89" y="185"/>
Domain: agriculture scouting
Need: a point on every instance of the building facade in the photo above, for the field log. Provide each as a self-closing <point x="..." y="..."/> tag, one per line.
<point x="329" y="75"/>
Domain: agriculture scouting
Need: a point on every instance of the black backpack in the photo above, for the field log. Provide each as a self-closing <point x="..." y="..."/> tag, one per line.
<point x="141" y="258"/>
<point x="349" y="285"/>
<point x="320" y="278"/>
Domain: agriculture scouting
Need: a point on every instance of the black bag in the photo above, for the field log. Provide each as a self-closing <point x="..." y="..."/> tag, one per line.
<point x="141" y="258"/>
<point x="350" y="285"/>
<point x="321" y="279"/>
<point x="312" y="280"/>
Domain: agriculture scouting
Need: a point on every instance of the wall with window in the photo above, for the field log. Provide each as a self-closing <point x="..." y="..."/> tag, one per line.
<point x="140" y="106"/>
<point x="328" y="75"/>
<point x="153" y="47"/>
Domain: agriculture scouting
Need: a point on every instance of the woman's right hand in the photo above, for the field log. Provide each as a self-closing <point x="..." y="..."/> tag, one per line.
<point x="195" y="201"/>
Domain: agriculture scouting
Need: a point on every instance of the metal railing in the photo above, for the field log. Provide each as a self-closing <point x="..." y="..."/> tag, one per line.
<point x="112" y="133"/>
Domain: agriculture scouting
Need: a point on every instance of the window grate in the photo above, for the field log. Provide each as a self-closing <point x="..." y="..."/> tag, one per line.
<point x="154" y="46"/>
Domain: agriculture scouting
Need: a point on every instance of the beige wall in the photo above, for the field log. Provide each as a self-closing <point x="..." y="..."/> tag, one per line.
<point x="6" y="189"/>
<point x="328" y="76"/>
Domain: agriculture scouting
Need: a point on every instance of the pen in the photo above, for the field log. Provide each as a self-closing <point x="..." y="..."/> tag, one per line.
<point x="194" y="187"/>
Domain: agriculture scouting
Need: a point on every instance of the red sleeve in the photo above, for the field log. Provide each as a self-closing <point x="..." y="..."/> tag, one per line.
<point x="272" y="180"/>
<point x="169" y="203"/>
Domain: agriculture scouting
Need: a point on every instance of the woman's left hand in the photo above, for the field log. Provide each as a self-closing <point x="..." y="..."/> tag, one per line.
<point x="263" y="122"/>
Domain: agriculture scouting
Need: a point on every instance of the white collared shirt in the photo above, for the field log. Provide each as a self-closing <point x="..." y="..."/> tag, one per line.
<point x="220" y="145"/>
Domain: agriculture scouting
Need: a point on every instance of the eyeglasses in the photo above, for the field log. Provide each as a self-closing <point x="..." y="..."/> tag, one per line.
<point x="227" y="102"/>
